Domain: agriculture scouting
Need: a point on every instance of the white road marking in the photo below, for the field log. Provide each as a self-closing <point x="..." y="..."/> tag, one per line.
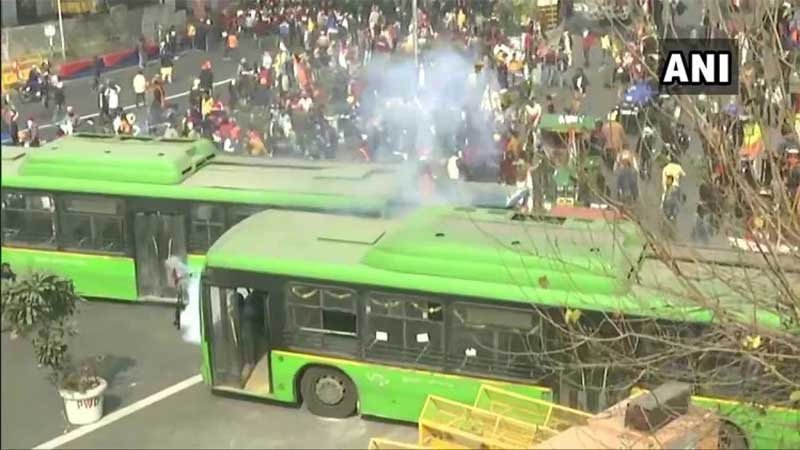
<point x="119" y="414"/>
<point x="129" y="107"/>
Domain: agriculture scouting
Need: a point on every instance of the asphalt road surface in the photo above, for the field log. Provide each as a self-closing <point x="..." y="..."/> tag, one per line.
<point x="144" y="355"/>
<point x="83" y="99"/>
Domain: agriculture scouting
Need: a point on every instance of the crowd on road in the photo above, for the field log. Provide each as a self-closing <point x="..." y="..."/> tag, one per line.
<point x="310" y="93"/>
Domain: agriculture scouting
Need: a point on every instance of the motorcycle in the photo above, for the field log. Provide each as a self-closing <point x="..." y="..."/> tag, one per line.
<point x="29" y="94"/>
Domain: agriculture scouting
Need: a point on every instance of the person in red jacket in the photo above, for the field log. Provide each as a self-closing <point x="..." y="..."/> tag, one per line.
<point x="587" y="42"/>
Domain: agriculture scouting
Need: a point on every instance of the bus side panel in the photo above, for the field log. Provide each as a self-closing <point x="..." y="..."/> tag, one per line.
<point x="389" y="392"/>
<point x="94" y="275"/>
<point x="196" y="263"/>
<point x="770" y="428"/>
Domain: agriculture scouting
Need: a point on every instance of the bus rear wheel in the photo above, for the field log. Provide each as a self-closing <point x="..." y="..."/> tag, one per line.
<point x="328" y="392"/>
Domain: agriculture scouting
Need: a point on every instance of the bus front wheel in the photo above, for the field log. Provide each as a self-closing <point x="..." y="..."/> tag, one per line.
<point x="328" y="392"/>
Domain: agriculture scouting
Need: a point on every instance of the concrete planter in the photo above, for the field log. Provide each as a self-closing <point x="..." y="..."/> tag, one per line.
<point x="83" y="408"/>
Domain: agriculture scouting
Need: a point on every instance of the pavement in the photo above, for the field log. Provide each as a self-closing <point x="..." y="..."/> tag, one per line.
<point x="143" y="356"/>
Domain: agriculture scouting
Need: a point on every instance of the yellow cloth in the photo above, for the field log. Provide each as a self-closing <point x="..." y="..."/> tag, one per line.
<point x="462" y="19"/>
<point x="206" y="106"/>
<point x="675" y="171"/>
<point x="752" y="144"/>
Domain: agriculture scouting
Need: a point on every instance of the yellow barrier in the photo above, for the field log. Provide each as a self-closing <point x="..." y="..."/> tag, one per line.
<point x="17" y="71"/>
<point x="73" y="7"/>
<point x="448" y="424"/>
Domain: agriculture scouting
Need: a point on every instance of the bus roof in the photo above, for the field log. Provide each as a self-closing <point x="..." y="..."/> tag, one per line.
<point x="463" y="252"/>
<point x="118" y="159"/>
<point x="183" y="169"/>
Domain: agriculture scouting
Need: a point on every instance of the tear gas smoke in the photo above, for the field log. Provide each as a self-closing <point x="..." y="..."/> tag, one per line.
<point x="190" y="316"/>
<point x="436" y="109"/>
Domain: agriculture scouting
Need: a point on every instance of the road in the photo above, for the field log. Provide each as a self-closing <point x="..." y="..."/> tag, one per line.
<point x="83" y="99"/>
<point x="600" y="101"/>
<point x="144" y="355"/>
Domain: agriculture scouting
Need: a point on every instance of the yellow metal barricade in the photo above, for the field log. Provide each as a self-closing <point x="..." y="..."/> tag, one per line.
<point x="498" y="419"/>
<point x="16" y="72"/>
<point x="548" y="416"/>
<point x="448" y="424"/>
<point x="75" y="7"/>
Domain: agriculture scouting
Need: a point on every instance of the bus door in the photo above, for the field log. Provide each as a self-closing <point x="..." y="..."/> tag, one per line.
<point x="240" y="339"/>
<point x="157" y="236"/>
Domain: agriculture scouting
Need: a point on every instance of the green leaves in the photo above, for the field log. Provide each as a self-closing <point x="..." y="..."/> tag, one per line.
<point x="42" y="304"/>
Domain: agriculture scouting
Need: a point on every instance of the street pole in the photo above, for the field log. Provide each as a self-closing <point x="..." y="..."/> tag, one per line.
<point x="416" y="32"/>
<point x="61" y="28"/>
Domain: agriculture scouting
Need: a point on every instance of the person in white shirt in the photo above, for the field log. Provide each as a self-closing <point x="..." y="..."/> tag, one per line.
<point x="139" y="88"/>
<point x="112" y="95"/>
<point x="453" y="171"/>
<point x="534" y="112"/>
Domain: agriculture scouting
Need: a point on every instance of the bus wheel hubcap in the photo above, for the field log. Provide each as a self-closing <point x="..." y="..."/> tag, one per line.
<point x="329" y="390"/>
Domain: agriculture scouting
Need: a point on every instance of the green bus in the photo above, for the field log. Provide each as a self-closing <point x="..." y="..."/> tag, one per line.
<point x="355" y="315"/>
<point x="87" y="205"/>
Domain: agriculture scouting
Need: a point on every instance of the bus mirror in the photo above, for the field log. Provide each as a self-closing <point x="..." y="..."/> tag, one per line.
<point x="381" y="336"/>
<point x="423" y="338"/>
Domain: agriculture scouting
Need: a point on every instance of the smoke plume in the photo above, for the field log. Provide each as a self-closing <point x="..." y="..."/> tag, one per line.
<point x="190" y="316"/>
<point x="435" y="108"/>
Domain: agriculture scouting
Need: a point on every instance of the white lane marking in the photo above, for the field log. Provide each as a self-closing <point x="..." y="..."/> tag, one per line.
<point x="129" y="107"/>
<point x="119" y="414"/>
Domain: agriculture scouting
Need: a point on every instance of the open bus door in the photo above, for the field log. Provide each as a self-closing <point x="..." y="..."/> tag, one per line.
<point x="158" y="237"/>
<point x="239" y="331"/>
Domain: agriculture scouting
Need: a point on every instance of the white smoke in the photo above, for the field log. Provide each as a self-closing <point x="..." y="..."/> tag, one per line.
<point x="436" y="108"/>
<point x="190" y="316"/>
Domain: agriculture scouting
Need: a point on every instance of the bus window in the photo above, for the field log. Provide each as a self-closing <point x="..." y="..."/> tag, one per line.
<point x="28" y="219"/>
<point x="323" y="309"/>
<point x="495" y="340"/>
<point x="322" y="317"/>
<point x="404" y="328"/>
<point x="92" y="223"/>
<point x="207" y="225"/>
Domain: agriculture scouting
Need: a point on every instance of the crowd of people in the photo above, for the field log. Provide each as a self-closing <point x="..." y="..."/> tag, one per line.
<point x="310" y="93"/>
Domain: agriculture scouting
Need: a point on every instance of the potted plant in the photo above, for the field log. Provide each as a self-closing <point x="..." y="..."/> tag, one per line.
<point x="43" y="305"/>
